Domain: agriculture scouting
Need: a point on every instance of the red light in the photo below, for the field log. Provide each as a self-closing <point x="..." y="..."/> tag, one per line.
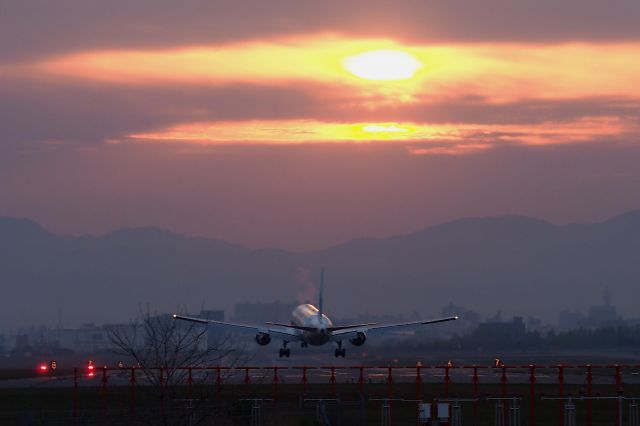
<point x="91" y="367"/>
<point x="43" y="368"/>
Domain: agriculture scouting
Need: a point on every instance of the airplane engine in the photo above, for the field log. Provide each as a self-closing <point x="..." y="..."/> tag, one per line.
<point x="263" y="339"/>
<point x="359" y="339"/>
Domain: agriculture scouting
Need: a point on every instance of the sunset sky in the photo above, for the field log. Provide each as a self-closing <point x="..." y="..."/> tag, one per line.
<point x="303" y="124"/>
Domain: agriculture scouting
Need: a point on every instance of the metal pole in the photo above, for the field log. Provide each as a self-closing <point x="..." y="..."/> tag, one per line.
<point x="218" y="383"/>
<point x="418" y="383"/>
<point x="589" y="395"/>
<point x="304" y="381"/>
<point x="75" y="395"/>
<point x="570" y="413"/>
<point x="561" y="392"/>
<point x="247" y="381"/>
<point x="476" y="379"/>
<point x="104" y="391"/>
<point x="456" y="413"/>
<point x="514" y="412"/>
<point x="275" y="384"/>
<point x="634" y="419"/>
<point x="532" y="395"/>
<point x="499" y="414"/>
<point x="447" y="379"/>
<point x="619" y="412"/>
<point x="332" y="381"/>
<point x="389" y="383"/>
<point x="255" y="413"/>
<point x="132" y="384"/>
<point x="503" y="382"/>
<point x="161" y="381"/>
<point x="386" y="413"/>
<point x="618" y="377"/>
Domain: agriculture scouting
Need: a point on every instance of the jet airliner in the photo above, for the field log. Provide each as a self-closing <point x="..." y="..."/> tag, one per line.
<point x="310" y="326"/>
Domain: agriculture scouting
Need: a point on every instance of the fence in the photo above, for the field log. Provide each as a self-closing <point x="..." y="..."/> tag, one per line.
<point x="506" y="394"/>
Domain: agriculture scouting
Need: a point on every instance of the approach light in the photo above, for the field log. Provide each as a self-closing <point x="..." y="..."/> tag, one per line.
<point x="43" y="368"/>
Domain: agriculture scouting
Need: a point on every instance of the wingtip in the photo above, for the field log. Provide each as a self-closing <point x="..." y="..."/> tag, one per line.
<point x="174" y="316"/>
<point x="456" y="317"/>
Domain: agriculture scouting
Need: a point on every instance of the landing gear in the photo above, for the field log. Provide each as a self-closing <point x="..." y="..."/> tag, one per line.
<point x="284" y="351"/>
<point x="340" y="351"/>
<point x="303" y="344"/>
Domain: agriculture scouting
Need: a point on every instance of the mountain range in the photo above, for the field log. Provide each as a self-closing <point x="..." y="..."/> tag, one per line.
<point x="514" y="264"/>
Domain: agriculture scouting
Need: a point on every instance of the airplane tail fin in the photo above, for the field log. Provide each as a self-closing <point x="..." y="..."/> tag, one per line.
<point x="320" y="310"/>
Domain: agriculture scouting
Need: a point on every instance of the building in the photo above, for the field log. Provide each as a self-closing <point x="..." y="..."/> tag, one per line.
<point x="498" y="332"/>
<point x="85" y="339"/>
<point x="258" y="313"/>
<point x="22" y="349"/>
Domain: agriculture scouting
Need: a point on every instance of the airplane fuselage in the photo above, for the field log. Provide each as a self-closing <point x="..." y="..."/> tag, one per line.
<point x="307" y="315"/>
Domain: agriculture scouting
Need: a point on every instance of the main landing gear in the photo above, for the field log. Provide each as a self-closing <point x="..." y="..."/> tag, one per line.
<point x="284" y="351"/>
<point x="340" y="351"/>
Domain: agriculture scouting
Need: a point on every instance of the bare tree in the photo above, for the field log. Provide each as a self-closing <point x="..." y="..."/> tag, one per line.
<point x="163" y="350"/>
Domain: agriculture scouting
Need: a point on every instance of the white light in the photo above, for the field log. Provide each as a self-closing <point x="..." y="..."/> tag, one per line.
<point x="383" y="65"/>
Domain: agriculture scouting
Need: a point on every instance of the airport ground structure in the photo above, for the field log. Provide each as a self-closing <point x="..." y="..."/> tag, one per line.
<point x="557" y="394"/>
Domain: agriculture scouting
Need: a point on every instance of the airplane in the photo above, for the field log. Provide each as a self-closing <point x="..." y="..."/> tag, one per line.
<point x="310" y="326"/>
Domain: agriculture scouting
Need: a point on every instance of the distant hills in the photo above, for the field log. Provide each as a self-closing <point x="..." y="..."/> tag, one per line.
<point x="513" y="264"/>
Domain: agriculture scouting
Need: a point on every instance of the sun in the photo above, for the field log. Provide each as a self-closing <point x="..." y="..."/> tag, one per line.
<point x="383" y="65"/>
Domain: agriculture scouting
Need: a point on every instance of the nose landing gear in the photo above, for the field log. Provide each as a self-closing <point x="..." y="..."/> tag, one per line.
<point x="340" y="351"/>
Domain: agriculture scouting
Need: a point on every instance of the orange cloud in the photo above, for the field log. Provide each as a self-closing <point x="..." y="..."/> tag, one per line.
<point x="499" y="72"/>
<point x="446" y="138"/>
<point x="353" y="109"/>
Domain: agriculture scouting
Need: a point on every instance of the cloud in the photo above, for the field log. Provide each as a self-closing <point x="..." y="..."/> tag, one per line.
<point x="87" y="113"/>
<point x="499" y="72"/>
<point x="296" y="91"/>
<point x="72" y="111"/>
<point x="30" y="28"/>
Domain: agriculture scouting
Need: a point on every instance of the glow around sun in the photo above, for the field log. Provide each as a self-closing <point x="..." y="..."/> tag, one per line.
<point x="383" y="65"/>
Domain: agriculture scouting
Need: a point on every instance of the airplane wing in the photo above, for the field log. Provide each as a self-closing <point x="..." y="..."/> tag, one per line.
<point x="351" y="331"/>
<point x="345" y="327"/>
<point x="289" y="332"/>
